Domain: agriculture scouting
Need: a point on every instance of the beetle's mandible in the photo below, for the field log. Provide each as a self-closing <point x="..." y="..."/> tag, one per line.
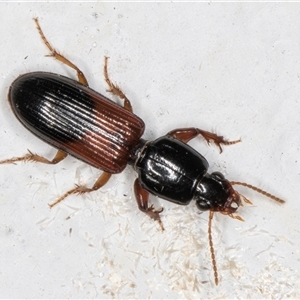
<point x="76" y="120"/>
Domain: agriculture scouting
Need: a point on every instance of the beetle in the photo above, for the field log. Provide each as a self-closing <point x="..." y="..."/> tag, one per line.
<point x="79" y="121"/>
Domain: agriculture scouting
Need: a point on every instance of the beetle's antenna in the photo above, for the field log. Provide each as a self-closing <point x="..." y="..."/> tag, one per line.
<point x="211" y="246"/>
<point x="258" y="190"/>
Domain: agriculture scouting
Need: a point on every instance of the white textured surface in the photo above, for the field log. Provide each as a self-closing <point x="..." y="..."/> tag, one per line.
<point x="233" y="68"/>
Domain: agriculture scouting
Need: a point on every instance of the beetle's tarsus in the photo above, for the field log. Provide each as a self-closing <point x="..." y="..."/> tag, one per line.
<point x="154" y="214"/>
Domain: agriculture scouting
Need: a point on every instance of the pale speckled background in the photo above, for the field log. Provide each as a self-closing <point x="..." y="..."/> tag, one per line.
<point x="229" y="67"/>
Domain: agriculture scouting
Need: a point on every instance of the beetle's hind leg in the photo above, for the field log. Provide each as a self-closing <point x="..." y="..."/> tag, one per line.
<point x="114" y="89"/>
<point x="60" y="155"/>
<point x="81" y="189"/>
<point x="187" y="134"/>
<point x="61" y="58"/>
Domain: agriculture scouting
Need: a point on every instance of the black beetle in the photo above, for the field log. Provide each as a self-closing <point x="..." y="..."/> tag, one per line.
<point x="78" y="121"/>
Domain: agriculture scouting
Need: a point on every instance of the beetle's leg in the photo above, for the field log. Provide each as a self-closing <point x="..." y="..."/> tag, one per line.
<point x="187" y="134"/>
<point x="60" y="155"/>
<point x="56" y="55"/>
<point x="114" y="89"/>
<point x="142" y="197"/>
<point x="81" y="189"/>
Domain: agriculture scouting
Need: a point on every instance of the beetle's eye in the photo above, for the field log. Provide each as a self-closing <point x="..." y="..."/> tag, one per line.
<point x="218" y="175"/>
<point x="203" y="205"/>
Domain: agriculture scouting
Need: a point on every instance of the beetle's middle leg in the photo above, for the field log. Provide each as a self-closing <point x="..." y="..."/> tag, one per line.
<point x="187" y="134"/>
<point x="81" y="189"/>
<point x="61" y="58"/>
<point x="60" y="155"/>
<point x="114" y="89"/>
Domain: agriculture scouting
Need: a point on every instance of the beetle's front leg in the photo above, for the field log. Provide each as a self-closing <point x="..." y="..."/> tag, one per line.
<point x="187" y="134"/>
<point x="142" y="199"/>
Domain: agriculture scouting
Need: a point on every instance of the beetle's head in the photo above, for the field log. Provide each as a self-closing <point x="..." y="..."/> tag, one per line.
<point x="216" y="193"/>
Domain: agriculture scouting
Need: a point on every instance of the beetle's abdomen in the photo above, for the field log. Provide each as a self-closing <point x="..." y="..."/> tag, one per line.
<point x="170" y="169"/>
<point x="76" y="119"/>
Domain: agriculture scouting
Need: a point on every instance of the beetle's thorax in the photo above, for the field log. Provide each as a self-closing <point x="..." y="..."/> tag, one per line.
<point x="168" y="168"/>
